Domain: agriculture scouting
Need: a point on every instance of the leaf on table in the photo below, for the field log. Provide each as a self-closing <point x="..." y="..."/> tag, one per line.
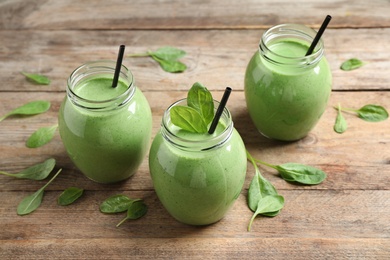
<point x="340" y="125"/>
<point x="37" y="78"/>
<point x="69" y="195"/>
<point x="31" y="108"/>
<point x="301" y="173"/>
<point x="351" y="64"/>
<point x="36" y="172"/>
<point x="116" y="203"/>
<point x="41" y="136"/>
<point x="373" y="113"/>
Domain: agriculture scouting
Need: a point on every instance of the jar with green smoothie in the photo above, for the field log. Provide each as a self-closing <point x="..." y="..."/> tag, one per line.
<point x="106" y="130"/>
<point x="197" y="176"/>
<point x="287" y="91"/>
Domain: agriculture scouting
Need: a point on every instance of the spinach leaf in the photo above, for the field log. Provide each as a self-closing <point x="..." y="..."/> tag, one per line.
<point x="69" y="195"/>
<point x="136" y="210"/>
<point x="41" y="137"/>
<point x="269" y="203"/>
<point x="301" y="173"/>
<point x="199" y="98"/>
<point x="37" y="78"/>
<point x="351" y="64"/>
<point x="168" y="53"/>
<point x="33" y="201"/>
<point x="188" y="119"/>
<point x="31" y="108"/>
<point x="259" y="189"/>
<point x="167" y="57"/>
<point x="36" y="172"/>
<point x="116" y="203"/>
<point x="340" y="125"/>
<point x="372" y="113"/>
<point x="170" y="65"/>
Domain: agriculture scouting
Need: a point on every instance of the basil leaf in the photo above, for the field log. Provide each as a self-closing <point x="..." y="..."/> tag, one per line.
<point x="301" y="173"/>
<point x="188" y="119"/>
<point x="136" y="210"/>
<point x="199" y="98"/>
<point x="267" y="204"/>
<point x="37" y="172"/>
<point x="116" y="203"/>
<point x="37" y="78"/>
<point x="41" y="137"/>
<point x="31" y="108"/>
<point x="69" y="195"/>
<point x="340" y="125"/>
<point x="351" y="64"/>
<point x="372" y="113"/>
<point x="170" y="65"/>
<point x="33" y="201"/>
<point x="168" y="53"/>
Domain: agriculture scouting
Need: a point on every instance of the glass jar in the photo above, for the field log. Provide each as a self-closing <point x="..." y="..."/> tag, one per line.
<point x="197" y="177"/>
<point x="106" y="131"/>
<point x="286" y="91"/>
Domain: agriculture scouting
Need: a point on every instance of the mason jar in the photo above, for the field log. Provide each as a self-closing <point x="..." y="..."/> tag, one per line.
<point x="106" y="130"/>
<point x="197" y="177"/>
<point x="287" y="91"/>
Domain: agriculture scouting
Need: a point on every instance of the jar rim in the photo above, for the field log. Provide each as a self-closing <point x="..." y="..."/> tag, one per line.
<point x="97" y="67"/>
<point x="293" y="31"/>
<point x="213" y="141"/>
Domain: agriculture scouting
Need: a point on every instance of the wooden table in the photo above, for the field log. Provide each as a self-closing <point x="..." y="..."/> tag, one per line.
<point x="345" y="217"/>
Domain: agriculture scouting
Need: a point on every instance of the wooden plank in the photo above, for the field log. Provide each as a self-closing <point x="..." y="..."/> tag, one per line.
<point x="327" y="214"/>
<point x="215" y="58"/>
<point x="197" y="248"/>
<point x="351" y="160"/>
<point x="306" y="214"/>
<point x="209" y="14"/>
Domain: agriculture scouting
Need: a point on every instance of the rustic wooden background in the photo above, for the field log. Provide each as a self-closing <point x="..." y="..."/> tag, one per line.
<point x="346" y="217"/>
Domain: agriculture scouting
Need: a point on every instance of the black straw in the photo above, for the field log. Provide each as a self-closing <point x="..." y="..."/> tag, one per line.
<point x="319" y="34"/>
<point x="220" y="109"/>
<point x="118" y="65"/>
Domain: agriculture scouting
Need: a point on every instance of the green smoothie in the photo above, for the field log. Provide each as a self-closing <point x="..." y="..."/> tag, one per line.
<point x="285" y="99"/>
<point x="197" y="186"/>
<point x="106" y="143"/>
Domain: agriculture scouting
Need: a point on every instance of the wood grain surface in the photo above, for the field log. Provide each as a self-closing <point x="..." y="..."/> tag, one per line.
<point x="345" y="217"/>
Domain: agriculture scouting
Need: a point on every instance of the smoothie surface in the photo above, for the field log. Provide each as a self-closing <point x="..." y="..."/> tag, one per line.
<point x="290" y="49"/>
<point x="100" y="89"/>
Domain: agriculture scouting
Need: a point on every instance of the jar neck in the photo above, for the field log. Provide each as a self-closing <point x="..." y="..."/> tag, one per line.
<point x="197" y="142"/>
<point x="295" y="33"/>
<point x="100" y="69"/>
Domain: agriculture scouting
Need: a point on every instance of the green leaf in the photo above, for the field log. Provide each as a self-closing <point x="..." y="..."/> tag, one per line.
<point x="199" y="98"/>
<point x="300" y="173"/>
<point x="340" y="125"/>
<point x="116" y="203"/>
<point x="168" y="53"/>
<point x="372" y="113"/>
<point x="69" y="195"/>
<point x="33" y="201"/>
<point x="351" y="64"/>
<point x="170" y="65"/>
<point x="188" y="119"/>
<point x="31" y="108"/>
<point x="41" y="137"/>
<point x="37" y="78"/>
<point x="267" y="204"/>
<point x="259" y="188"/>
<point x="135" y="211"/>
<point x="37" y="172"/>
